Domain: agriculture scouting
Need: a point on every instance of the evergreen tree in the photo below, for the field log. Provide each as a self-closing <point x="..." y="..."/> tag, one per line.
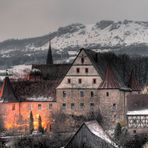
<point x="31" y="125"/>
<point x="117" y="131"/>
<point x="40" y="128"/>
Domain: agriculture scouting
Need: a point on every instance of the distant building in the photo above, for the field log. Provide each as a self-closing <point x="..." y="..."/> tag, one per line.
<point x="137" y="113"/>
<point x="90" y="84"/>
<point x="15" y="112"/>
<point x="91" y="135"/>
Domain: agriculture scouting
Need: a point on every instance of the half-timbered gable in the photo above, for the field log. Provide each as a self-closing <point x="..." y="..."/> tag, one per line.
<point x="137" y="113"/>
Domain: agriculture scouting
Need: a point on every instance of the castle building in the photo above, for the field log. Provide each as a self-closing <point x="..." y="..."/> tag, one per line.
<point x="90" y="84"/>
<point x="15" y="112"/>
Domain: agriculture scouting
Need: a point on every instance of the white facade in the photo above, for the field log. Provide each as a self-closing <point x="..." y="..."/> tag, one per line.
<point x="82" y="74"/>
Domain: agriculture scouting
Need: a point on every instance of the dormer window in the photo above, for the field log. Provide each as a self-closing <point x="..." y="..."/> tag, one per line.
<point x="82" y="60"/>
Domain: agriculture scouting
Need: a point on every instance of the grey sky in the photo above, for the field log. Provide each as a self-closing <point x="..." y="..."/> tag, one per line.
<point x="28" y="18"/>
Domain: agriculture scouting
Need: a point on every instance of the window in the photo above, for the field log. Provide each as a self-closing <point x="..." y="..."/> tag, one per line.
<point x="107" y="94"/>
<point x="81" y="106"/>
<point x="134" y="131"/>
<point x="78" y="70"/>
<point x="79" y="81"/>
<point x="13" y="107"/>
<point x="39" y="107"/>
<point x="81" y="93"/>
<point x="94" y="81"/>
<point x="63" y="106"/>
<point x="91" y="106"/>
<point x="64" y="94"/>
<point x="82" y="60"/>
<point x="72" y="106"/>
<point x="92" y="94"/>
<point x="30" y="107"/>
<point x="86" y="70"/>
<point x="114" y="107"/>
<point x="69" y="81"/>
<point x="50" y="106"/>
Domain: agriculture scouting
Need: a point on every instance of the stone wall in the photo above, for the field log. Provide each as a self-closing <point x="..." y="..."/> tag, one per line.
<point x="76" y="103"/>
<point x="112" y="105"/>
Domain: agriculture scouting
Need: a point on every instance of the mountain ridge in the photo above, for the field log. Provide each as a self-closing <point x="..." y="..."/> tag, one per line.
<point x="130" y="37"/>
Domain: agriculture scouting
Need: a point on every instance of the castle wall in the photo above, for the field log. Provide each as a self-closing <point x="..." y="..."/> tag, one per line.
<point x="16" y="115"/>
<point x="112" y="105"/>
<point x="75" y="103"/>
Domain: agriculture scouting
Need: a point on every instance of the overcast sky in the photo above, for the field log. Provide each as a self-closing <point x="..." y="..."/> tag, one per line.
<point x="29" y="18"/>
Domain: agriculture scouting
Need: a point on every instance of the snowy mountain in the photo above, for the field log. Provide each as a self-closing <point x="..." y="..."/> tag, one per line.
<point x="129" y="37"/>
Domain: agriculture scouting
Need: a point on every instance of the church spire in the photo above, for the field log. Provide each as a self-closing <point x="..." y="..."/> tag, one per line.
<point x="49" y="55"/>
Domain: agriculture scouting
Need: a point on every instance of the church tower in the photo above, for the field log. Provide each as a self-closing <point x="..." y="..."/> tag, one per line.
<point x="49" y="55"/>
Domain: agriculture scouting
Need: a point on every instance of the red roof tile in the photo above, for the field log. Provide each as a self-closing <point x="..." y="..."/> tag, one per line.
<point x="133" y="83"/>
<point x="109" y="81"/>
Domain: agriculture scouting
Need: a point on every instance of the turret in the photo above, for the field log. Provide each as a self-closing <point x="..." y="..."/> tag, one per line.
<point x="109" y="81"/>
<point x="7" y="93"/>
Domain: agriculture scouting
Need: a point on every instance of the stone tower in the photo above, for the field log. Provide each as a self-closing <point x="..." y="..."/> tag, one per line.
<point x="49" y="55"/>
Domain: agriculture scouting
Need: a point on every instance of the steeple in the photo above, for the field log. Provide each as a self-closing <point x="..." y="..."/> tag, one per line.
<point x="49" y="55"/>
<point x="109" y="81"/>
<point x="7" y="92"/>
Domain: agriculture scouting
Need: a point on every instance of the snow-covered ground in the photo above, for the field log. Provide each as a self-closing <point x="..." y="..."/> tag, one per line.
<point x="16" y="72"/>
<point x="103" y="33"/>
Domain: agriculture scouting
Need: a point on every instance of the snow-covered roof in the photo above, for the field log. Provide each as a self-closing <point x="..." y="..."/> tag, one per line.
<point x="35" y="70"/>
<point x="41" y="98"/>
<point x="97" y="130"/>
<point x="72" y="53"/>
<point x="138" y="112"/>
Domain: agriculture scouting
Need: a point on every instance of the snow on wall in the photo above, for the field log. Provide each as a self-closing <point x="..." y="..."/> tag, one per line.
<point x="138" y="112"/>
